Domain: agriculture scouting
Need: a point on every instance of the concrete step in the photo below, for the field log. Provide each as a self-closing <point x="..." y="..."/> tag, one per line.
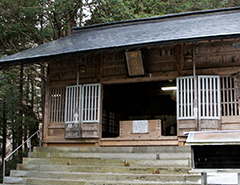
<point x="105" y="169"/>
<point x="15" y="180"/>
<point x="106" y="176"/>
<point x="107" y="162"/>
<point x="165" y="149"/>
<point x="40" y="181"/>
<point x="105" y="166"/>
<point x="109" y="155"/>
<point x="73" y="161"/>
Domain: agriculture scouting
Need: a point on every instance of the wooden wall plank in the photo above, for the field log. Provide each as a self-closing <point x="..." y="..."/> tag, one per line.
<point x="231" y="126"/>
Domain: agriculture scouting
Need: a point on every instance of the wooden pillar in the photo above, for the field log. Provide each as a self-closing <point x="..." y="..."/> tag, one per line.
<point x="195" y="89"/>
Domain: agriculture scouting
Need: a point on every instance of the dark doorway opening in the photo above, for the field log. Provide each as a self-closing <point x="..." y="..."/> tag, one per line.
<point x="138" y="101"/>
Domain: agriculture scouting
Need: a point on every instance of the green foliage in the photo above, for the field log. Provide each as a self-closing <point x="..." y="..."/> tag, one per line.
<point x="117" y="10"/>
<point x="28" y="23"/>
<point x="23" y="109"/>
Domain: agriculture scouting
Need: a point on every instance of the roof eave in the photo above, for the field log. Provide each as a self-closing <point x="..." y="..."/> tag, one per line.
<point x="114" y="48"/>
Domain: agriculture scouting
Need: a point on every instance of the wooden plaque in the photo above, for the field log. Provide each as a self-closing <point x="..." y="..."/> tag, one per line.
<point x="134" y="63"/>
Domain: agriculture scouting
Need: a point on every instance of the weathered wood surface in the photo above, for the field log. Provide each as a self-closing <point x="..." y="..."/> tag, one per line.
<point x="209" y="125"/>
<point x="53" y="141"/>
<point x="214" y="57"/>
<point x="185" y="126"/>
<point x="73" y="130"/>
<point x="154" y="130"/>
<point x="90" y="130"/>
<point x="227" y="119"/>
<point x="230" y="126"/>
<point x="214" y="54"/>
<point x="161" y="141"/>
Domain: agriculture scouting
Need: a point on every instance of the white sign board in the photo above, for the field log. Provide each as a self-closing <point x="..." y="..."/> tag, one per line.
<point x="140" y="126"/>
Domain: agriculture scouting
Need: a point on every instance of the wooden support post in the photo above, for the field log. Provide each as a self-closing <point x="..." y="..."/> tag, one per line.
<point x="203" y="178"/>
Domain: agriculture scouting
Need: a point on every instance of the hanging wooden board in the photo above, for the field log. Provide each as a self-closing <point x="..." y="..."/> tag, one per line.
<point x="135" y="63"/>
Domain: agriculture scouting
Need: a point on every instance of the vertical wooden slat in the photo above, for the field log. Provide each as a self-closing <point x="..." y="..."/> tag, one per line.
<point x="51" y="104"/>
<point x="69" y="104"/>
<point x="181" y="97"/>
<point x="57" y="105"/>
<point x="227" y="95"/>
<point x="62" y="105"/>
<point x="214" y="97"/>
<point x="85" y="103"/>
<point x="184" y="100"/>
<point x="178" y="104"/>
<point x="203" y="98"/>
<point x="218" y="97"/>
<point x="99" y="102"/>
<point x="188" y="103"/>
<point x="231" y="96"/>
<point x="223" y="100"/>
<point x="82" y="101"/>
<point x="192" y="105"/>
<point x="92" y="102"/>
<point x="211" y="98"/>
<point x="235" y="100"/>
<point x="74" y="104"/>
<point x="66" y="105"/>
<point x="199" y="98"/>
<point x="89" y="108"/>
<point x="95" y="104"/>
<point x="207" y="97"/>
<point x="53" y="110"/>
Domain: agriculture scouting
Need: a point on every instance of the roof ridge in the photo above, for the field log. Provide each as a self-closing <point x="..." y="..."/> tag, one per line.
<point x="157" y="17"/>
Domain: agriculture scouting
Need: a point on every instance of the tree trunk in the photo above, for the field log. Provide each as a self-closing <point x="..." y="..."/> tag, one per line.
<point x="20" y="122"/>
<point x="4" y="132"/>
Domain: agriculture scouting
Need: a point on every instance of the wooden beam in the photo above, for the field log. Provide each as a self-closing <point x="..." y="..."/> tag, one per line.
<point x="65" y="83"/>
<point x="61" y="139"/>
<point x="179" y="56"/>
<point x="213" y="71"/>
<point x="154" y="77"/>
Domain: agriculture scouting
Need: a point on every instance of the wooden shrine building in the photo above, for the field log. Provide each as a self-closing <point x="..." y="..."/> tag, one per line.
<point x="108" y="84"/>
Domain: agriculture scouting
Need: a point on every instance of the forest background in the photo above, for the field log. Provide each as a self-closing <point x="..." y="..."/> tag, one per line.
<point x="28" y="23"/>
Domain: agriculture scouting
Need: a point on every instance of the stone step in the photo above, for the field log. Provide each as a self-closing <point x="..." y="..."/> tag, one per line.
<point x="106" y="176"/>
<point x="15" y="180"/>
<point x="73" y="161"/>
<point x="109" y="155"/>
<point x="107" y="162"/>
<point x="41" y="181"/>
<point x="105" y="166"/>
<point x="160" y="149"/>
<point x="104" y="169"/>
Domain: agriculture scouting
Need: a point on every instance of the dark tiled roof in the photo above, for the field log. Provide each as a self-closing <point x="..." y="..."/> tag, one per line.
<point x="135" y="33"/>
